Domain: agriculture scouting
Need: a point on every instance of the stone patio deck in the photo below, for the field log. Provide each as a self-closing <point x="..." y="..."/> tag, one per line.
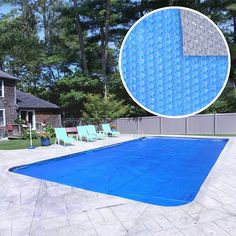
<point x="30" y="206"/>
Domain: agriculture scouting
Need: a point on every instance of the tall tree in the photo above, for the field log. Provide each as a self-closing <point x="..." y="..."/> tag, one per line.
<point x="81" y="39"/>
<point x="104" y="43"/>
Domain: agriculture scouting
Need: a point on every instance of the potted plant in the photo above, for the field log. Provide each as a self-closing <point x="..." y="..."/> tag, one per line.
<point x="45" y="138"/>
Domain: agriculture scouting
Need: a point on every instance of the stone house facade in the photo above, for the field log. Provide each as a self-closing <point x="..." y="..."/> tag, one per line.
<point x="17" y="104"/>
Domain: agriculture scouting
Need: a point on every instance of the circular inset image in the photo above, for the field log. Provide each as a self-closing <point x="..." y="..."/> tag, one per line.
<point x="174" y="62"/>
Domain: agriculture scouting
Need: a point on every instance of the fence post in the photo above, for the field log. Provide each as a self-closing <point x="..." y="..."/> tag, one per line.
<point x="161" y="126"/>
<point x="138" y="125"/>
<point x="214" y="123"/>
<point x="186" y="125"/>
<point x="117" y="126"/>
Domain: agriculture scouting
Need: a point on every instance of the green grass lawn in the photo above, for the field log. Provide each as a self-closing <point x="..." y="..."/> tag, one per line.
<point x="20" y="144"/>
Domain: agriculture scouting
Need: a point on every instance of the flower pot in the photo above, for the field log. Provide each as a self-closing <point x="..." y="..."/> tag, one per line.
<point x="45" y="141"/>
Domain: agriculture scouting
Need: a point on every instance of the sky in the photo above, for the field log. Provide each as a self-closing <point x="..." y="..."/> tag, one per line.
<point x="6" y="8"/>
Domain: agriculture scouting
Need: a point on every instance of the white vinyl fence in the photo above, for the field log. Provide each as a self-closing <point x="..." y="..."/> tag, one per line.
<point x="224" y="123"/>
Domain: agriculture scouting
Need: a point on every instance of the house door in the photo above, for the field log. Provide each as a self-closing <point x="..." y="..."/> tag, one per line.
<point x="28" y="117"/>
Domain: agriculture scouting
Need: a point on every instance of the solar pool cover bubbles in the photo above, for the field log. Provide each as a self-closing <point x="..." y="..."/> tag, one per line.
<point x="174" y="62"/>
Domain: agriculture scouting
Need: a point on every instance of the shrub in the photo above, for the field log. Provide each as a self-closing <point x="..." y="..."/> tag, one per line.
<point x="50" y="130"/>
<point x="26" y="134"/>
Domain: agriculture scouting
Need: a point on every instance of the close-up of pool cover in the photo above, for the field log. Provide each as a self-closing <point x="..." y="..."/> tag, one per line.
<point x="174" y="62"/>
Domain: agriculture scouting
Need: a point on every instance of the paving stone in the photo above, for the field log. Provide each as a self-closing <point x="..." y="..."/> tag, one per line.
<point x="76" y="219"/>
<point x="54" y="222"/>
<point x="158" y="217"/>
<point x="193" y="231"/>
<point x="109" y="201"/>
<point x="231" y="208"/>
<point x="43" y="232"/>
<point x="5" y="225"/>
<point x="129" y="224"/>
<point x="107" y="214"/>
<point x="5" y="231"/>
<point x="226" y="188"/>
<point x="140" y="233"/>
<point x="50" y="207"/>
<point x="76" y="231"/>
<point x="193" y="207"/>
<point x="220" y="196"/>
<point x="95" y="216"/>
<point x="228" y="224"/>
<point x="125" y="212"/>
<point x="212" y="229"/>
<point x="207" y="201"/>
<point x="210" y="215"/>
<point x="140" y="206"/>
<point x="180" y="219"/>
<point x="109" y="228"/>
<point x="137" y="226"/>
<point x="54" y="191"/>
<point x="169" y="232"/>
<point x="150" y="223"/>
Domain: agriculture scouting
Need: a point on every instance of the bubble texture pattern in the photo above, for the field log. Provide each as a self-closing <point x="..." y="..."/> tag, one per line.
<point x="159" y="76"/>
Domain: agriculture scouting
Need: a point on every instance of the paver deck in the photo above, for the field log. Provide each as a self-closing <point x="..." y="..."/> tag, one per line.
<point x="30" y="206"/>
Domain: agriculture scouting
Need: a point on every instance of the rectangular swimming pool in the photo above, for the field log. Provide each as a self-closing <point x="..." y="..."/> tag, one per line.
<point x="156" y="170"/>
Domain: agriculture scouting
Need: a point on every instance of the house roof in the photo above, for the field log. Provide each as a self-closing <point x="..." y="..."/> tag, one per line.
<point x="7" y="76"/>
<point x="27" y="100"/>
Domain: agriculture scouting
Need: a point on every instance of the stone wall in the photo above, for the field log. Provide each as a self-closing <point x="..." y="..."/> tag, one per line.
<point x="8" y="101"/>
<point x="52" y="118"/>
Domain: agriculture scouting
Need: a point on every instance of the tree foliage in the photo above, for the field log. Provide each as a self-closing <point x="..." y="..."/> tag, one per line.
<point x="64" y="51"/>
<point x="97" y="109"/>
<point x="72" y="92"/>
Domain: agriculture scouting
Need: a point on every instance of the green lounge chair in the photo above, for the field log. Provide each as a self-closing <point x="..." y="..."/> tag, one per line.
<point x="61" y="135"/>
<point x="83" y="134"/>
<point x="92" y="131"/>
<point x="109" y="132"/>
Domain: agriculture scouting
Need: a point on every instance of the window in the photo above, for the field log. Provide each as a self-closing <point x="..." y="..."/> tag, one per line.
<point x="29" y="117"/>
<point x="1" y="88"/>
<point x="2" y="117"/>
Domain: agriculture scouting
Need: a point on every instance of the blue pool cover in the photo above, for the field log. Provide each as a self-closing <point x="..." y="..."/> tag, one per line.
<point x="167" y="66"/>
<point x="161" y="171"/>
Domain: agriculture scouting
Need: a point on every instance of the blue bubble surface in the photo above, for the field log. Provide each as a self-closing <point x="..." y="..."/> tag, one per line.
<point x="159" y="76"/>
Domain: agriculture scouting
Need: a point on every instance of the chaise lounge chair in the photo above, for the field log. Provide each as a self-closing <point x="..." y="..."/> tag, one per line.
<point x="109" y="132"/>
<point x="83" y="133"/>
<point x="92" y="131"/>
<point x="61" y="135"/>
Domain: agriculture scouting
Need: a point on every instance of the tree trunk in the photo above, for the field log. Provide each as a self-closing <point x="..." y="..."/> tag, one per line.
<point x="234" y="36"/>
<point x="141" y="13"/>
<point x="45" y="24"/>
<point x="50" y="25"/>
<point x="25" y="16"/>
<point x="171" y="2"/>
<point x="197" y="4"/>
<point x="81" y="40"/>
<point x="104" y="45"/>
<point x="1" y="65"/>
